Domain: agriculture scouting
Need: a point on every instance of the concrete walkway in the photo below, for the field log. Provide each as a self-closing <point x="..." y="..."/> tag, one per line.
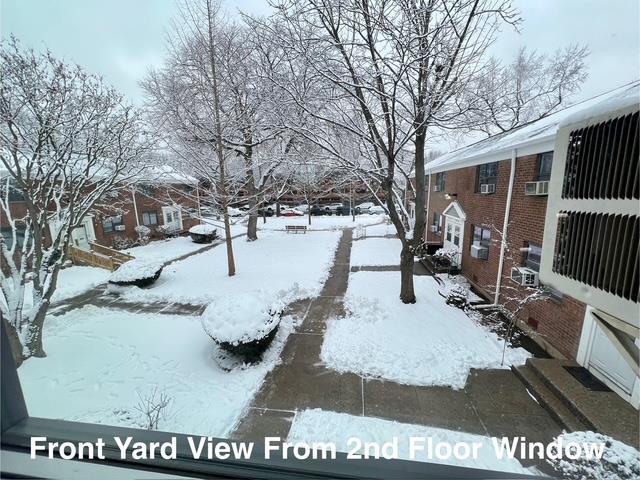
<point x="493" y="402"/>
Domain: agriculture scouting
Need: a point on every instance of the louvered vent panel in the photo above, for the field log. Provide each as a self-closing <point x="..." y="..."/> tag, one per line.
<point x="602" y="161"/>
<point x="600" y="250"/>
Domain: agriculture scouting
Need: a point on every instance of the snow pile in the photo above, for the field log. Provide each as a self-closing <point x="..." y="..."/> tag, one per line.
<point x="164" y="250"/>
<point x="427" y="343"/>
<point x="619" y="461"/>
<point x="321" y="426"/>
<point x="376" y="251"/>
<point x="203" y="229"/>
<point x="98" y="361"/>
<point x="136" y="270"/>
<point x="240" y="318"/>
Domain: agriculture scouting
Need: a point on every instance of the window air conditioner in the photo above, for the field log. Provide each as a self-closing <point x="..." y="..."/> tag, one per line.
<point x="436" y="188"/>
<point x="537" y="188"/>
<point x="487" y="188"/>
<point x="120" y="228"/>
<point x="433" y="228"/>
<point x="524" y="276"/>
<point x="478" y="251"/>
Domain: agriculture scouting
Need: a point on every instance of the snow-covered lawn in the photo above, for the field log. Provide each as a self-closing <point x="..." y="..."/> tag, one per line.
<point x="381" y="229"/>
<point x="331" y="222"/>
<point x="280" y="265"/>
<point x="376" y="251"/>
<point x="165" y="250"/>
<point x="99" y="360"/>
<point x="427" y="343"/>
<point x="322" y="426"/>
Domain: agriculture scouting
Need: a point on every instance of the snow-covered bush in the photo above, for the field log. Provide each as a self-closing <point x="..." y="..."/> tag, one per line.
<point x="143" y="234"/>
<point x="122" y="243"/>
<point x="619" y="461"/>
<point x="242" y="324"/>
<point x="137" y="272"/>
<point x="203" y="233"/>
<point x="457" y="296"/>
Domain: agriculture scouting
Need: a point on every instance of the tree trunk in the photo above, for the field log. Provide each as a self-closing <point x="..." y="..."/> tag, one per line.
<point x="407" y="294"/>
<point x="14" y="342"/>
<point x="252" y="225"/>
<point x="421" y="203"/>
<point x="33" y="339"/>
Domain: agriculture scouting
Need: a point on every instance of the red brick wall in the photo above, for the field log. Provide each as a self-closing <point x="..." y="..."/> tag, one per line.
<point x="559" y="322"/>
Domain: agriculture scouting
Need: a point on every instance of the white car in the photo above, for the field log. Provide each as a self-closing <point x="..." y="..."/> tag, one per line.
<point x="290" y="212"/>
<point x="304" y="208"/>
<point x="377" y="210"/>
<point x="332" y="207"/>
<point x="364" y="207"/>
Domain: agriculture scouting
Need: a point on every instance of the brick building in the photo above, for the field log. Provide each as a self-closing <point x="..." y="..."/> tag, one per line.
<point x="498" y="189"/>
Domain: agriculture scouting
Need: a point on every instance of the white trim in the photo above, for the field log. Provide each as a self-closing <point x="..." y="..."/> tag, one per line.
<point x="459" y="211"/>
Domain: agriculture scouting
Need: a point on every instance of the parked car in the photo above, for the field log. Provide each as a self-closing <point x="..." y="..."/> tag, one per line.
<point x="290" y="212"/>
<point x="235" y="212"/>
<point x="265" y="212"/>
<point x="318" y="210"/>
<point x="343" y="210"/>
<point x="377" y="210"/>
<point x="364" y="207"/>
<point x="304" y="208"/>
<point x="332" y="207"/>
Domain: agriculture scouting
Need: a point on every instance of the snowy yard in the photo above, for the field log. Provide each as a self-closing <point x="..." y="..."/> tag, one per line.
<point x="428" y="343"/>
<point x="124" y="355"/>
<point x="376" y="251"/>
<point x="332" y="222"/>
<point x="165" y="250"/>
<point x="277" y="264"/>
<point x="322" y="426"/>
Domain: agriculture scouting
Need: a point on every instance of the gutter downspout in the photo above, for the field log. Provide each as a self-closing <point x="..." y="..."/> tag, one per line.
<point x="426" y="220"/>
<point x="135" y="206"/>
<point x="505" y="227"/>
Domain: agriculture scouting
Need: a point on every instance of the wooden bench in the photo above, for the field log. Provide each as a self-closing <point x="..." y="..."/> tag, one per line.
<point x="296" y="228"/>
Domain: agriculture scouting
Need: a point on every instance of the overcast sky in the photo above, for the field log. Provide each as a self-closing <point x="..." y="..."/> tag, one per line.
<point x="121" y="39"/>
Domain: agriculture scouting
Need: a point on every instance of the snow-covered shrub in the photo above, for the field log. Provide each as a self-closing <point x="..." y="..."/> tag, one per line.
<point x="457" y="296"/>
<point x="122" y="243"/>
<point x="143" y="234"/>
<point x="140" y="273"/>
<point x="619" y="461"/>
<point x="242" y="324"/>
<point x="203" y="233"/>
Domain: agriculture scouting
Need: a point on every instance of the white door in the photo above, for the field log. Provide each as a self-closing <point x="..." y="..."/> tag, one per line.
<point x="172" y="217"/>
<point x="605" y="360"/>
<point x="83" y="234"/>
<point x="453" y="235"/>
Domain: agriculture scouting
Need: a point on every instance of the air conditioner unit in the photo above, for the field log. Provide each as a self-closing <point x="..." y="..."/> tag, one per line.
<point x="487" y="188"/>
<point x="436" y="188"/>
<point x="537" y="188"/>
<point x="120" y="228"/>
<point x="478" y="251"/>
<point x="524" y="276"/>
<point x="433" y="228"/>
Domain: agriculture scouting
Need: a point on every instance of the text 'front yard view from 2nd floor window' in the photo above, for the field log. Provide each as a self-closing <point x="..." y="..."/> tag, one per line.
<point x="289" y="238"/>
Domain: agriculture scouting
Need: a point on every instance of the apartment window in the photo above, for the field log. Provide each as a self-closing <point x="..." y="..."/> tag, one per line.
<point x="545" y="161"/>
<point x="481" y="236"/>
<point x="440" y="181"/>
<point x="7" y="234"/>
<point x="109" y="224"/>
<point x="449" y="232"/>
<point x="532" y="256"/>
<point x="456" y="235"/>
<point x="437" y="222"/>
<point x="150" y="218"/>
<point x="486" y="174"/>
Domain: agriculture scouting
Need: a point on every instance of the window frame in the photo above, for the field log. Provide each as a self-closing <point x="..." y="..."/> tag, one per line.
<point x="18" y="428"/>
<point x="484" y="176"/>
<point x="149" y="213"/>
<point x="112" y="228"/>
<point x="481" y="241"/>
<point x="541" y="159"/>
<point x="526" y="262"/>
<point x="441" y="181"/>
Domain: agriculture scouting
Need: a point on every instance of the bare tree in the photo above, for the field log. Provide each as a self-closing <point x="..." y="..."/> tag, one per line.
<point x="529" y="88"/>
<point x="67" y="141"/>
<point x="153" y="407"/>
<point x="393" y="69"/>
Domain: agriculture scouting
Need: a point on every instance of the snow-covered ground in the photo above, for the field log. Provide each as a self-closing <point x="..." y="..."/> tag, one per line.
<point x="281" y="265"/>
<point x="322" y="426"/>
<point x="165" y="250"/>
<point x="427" y="343"/>
<point x="376" y="251"/>
<point x="99" y="361"/>
<point x="331" y="222"/>
<point x="381" y="229"/>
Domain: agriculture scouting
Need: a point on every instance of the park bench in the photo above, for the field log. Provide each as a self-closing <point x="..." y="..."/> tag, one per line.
<point x="296" y="229"/>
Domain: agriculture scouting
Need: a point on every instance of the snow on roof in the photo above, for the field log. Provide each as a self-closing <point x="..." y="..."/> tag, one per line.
<point x="166" y="174"/>
<point x="536" y="137"/>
